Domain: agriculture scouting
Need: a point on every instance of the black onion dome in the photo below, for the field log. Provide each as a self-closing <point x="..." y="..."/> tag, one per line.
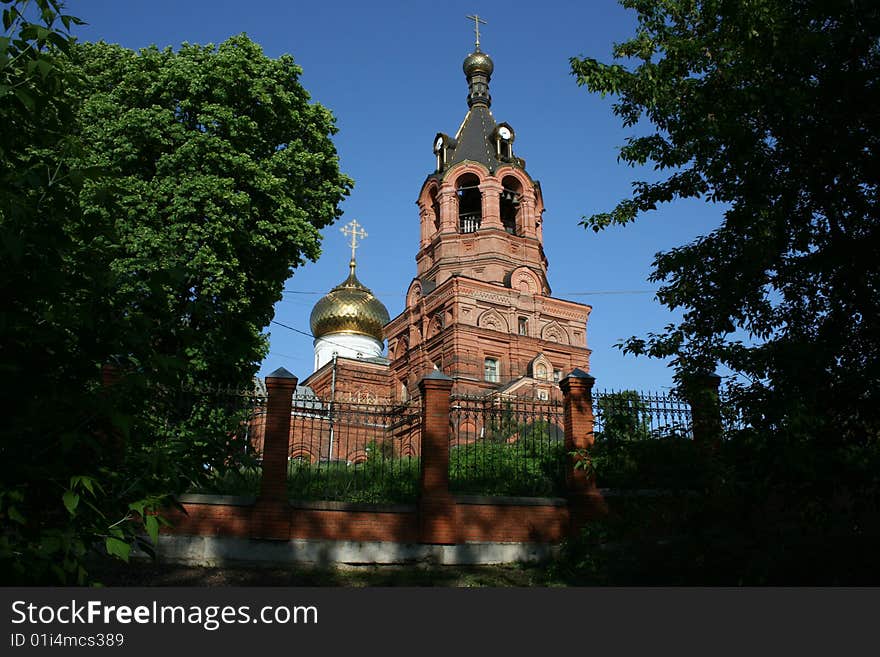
<point x="478" y="62"/>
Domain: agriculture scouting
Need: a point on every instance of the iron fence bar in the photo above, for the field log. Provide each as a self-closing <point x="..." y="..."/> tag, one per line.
<point x="375" y="450"/>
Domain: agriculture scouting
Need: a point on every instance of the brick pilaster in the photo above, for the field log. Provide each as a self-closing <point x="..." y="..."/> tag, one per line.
<point x="528" y="225"/>
<point x="491" y="192"/>
<point x="436" y="505"/>
<point x="425" y="226"/>
<point x="448" y="207"/>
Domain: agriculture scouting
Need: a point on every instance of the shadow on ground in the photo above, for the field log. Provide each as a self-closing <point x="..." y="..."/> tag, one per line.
<point x="153" y="574"/>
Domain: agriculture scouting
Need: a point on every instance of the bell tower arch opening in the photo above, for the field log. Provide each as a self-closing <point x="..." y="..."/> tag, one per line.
<point x="511" y="204"/>
<point x="470" y="203"/>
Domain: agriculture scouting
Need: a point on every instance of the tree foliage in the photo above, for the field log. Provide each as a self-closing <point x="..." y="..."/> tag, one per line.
<point x="47" y="312"/>
<point x="770" y="108"/>
<point x="152" y="204"/>
<point x="624" y="416"/>
<point x="219" y="175"/>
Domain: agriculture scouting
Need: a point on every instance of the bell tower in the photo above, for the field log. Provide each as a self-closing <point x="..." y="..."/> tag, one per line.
<point x="479" y="307"/>
<point x="480" y="211"/>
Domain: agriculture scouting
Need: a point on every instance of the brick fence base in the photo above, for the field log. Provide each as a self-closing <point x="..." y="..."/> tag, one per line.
<point x="474" y="519"/>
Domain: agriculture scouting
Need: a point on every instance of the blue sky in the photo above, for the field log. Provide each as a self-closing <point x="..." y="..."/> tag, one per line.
<point x="391" y="74"/>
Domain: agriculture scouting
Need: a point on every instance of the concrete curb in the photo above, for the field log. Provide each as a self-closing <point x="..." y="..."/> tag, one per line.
<point x="225" y="550"/>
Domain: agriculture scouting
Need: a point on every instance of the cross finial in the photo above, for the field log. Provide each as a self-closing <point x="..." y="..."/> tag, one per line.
<point x="354" y="230"/>
<point x="477" y="20"/>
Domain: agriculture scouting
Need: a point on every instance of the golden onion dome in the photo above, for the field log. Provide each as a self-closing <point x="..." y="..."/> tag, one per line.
<point x="350" y="307"/>
<point x="478" y="62"/>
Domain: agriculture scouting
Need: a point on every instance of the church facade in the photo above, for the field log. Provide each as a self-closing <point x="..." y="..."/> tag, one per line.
<point x="480" y="308"/>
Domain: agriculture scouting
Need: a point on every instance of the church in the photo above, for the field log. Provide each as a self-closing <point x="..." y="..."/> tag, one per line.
<point x="480" y="308"/>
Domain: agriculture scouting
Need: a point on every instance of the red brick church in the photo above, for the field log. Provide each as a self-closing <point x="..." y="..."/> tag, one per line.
<point x="480" y="308"/>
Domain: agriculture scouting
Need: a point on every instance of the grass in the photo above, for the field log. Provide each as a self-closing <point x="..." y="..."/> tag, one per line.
<point x="379" y="481"/>
<point x="501" y="468"/>
<point x="384" y="482"/>
<point x="480" y="468"/>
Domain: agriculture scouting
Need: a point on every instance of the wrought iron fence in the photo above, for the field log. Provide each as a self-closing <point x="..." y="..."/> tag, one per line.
<point x="216" y="428"/>
<point x="371" y="453"/>
<point x="207" y="413"/>
<point x="632" y="415"/>
<point x="506" y="447"/>
<point x="354" y="452"/>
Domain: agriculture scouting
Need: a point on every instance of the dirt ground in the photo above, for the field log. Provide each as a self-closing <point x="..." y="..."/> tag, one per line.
<point x="157" y="574"/>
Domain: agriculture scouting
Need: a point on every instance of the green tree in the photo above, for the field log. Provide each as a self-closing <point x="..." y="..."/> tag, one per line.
<point x="50" y="301"/>
<point x="624" y="416"/>
<point x="220" y="173"/>
<point x="153" y="204"/>
<point x="768" y="107"/>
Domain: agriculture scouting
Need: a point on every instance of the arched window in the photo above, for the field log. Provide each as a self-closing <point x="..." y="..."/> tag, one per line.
<point x="470" y="203"/>
<point x="511" y="197"/>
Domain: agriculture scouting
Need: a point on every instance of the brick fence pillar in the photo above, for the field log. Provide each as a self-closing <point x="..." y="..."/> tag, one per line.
<point x="110" y="375"/>
<point x="584" y="499"/>
<point x="701" y="391"/>
<point x="272" y="515"/>
<point x="436" y="506"/>
<point x="111" y="438"/>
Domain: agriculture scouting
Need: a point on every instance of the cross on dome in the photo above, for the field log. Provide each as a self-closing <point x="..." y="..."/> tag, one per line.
<point x="354" y="230"/>
<point x="477" y="20"/>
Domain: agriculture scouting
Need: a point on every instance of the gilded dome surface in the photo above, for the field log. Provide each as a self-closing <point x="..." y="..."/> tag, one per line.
<point x="478" y="61"/>
<point x="350" y="307"/>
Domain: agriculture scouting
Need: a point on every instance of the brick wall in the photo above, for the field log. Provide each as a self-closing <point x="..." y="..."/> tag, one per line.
<point x="203" y="516"/>
<point x="538" y="521"/>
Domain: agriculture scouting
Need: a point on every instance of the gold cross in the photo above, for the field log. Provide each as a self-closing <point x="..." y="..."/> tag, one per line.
<point x="356" y="231"/>
<point x="477" y="20"/>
